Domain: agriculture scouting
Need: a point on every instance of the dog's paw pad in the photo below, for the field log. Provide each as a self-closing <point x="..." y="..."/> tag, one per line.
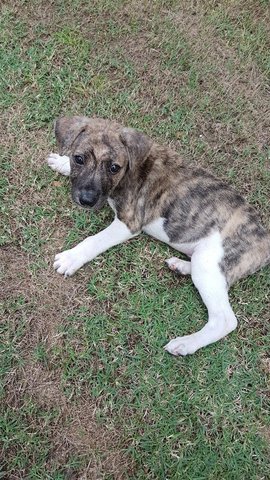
<point x="180" y="266"/>
<point x="67" y="262"/>
<point x="181" y="346"/>
<point x="59" y="163"/>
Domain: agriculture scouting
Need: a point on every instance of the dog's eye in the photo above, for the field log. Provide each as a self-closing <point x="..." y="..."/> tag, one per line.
<point x="79" y="159"/>
<point x="114" y="168"/>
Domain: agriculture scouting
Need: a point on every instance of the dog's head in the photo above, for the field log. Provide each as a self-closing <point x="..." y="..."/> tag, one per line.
<point x="101" y="153"/>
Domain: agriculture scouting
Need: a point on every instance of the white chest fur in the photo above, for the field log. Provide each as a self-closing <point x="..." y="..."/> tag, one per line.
<point x="111" y="203"/>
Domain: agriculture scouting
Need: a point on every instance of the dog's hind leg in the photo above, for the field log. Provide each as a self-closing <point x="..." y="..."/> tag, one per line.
<point x="59" y="163"/>
<point x="212" y="286"/>
<point x="180" y="266"/>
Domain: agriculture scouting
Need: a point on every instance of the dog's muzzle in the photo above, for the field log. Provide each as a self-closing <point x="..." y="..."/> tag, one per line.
<point x="88" y="198"/>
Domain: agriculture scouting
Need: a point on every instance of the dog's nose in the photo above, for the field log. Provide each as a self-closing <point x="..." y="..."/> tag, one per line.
<point x="88" y="198"/>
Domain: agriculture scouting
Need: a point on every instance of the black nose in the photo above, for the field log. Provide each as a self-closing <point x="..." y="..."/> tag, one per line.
<point x="88" y="198"/>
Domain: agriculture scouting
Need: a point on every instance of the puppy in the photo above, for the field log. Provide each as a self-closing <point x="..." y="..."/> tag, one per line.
<point x="152" y="190"/>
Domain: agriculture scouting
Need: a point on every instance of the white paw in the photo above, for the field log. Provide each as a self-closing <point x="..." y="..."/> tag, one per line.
<point x="182" y="345"/>
<point x="178" y="265"/>
<point x="59" y="163"/>
<point x="68" y="262"/>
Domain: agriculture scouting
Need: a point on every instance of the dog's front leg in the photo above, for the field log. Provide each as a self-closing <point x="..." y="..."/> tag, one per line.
<point x="71" y="260"/>
<point x="59" y="163"/>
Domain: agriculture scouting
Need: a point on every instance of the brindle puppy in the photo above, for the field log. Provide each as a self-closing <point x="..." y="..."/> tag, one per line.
<point x="151" y="189"/>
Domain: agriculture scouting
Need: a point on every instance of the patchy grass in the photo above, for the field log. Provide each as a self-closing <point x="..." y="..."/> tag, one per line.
<point x="86" y="389"/>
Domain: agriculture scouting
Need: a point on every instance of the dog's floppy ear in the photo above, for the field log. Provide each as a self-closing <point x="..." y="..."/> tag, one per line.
<point x="137" y="144"/>
<point x="66" y="130"/>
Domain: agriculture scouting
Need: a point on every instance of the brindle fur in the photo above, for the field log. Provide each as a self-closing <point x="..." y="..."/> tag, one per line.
<point x="154" y="182"/>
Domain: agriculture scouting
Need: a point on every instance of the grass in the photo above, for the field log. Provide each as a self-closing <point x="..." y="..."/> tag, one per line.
<point x="86" y="388"/>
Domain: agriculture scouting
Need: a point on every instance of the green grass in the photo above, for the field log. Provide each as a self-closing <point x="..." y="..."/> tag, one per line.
<point x="86" y="387"/>
<point x="241" y="30"/>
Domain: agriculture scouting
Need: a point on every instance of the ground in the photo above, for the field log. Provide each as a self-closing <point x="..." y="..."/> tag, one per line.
<point x="87" y="391"/>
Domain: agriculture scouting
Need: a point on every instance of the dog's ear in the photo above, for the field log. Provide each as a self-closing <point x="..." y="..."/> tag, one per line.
<point x="137" y="144"/>
<point x="67" y="130"/>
